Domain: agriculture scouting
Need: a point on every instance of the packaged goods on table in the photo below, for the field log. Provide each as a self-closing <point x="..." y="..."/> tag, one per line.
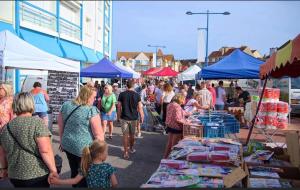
<point x="219" y="155"/>
<point x="267" y="183"/>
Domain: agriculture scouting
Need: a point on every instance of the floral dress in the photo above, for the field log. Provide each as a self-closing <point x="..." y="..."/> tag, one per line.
<point x="99" y="175"/>
<point x="6" y="112"/>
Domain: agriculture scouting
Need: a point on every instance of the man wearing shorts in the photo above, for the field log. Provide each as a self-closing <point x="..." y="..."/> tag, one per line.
<point x="129" y="108"/>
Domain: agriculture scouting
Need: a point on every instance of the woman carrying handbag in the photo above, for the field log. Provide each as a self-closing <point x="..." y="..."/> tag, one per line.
<point x="26" y="153"/>
<point x="79" y="124"/>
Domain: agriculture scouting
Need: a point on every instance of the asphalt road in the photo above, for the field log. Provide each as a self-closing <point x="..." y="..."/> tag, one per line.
<point x="130" y="173"/>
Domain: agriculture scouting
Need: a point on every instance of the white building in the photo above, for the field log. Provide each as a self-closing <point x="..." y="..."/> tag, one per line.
<point x="77" y="30"/>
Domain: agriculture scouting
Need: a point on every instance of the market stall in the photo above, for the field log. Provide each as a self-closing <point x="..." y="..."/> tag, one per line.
<point x="135" y="75"/>
<point x="150" y="71"/>
<point x="63" y="74"/>
<point x="285" y="62"/>
<point x="17" y="53"/>
<point x="200" y="163"/>
<point x="189" y="73"/>
<point x="165" y="72"/>
<point x="237" y="65"/>
<point x="105" y="69"/>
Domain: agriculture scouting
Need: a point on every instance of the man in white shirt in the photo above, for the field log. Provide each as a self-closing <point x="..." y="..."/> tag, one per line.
<point x="158" y="94"/>
<point x="205" y="97"/>
<point x="221" y="96"/>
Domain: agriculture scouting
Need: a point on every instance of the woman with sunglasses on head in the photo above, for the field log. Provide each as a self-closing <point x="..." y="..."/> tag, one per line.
<point x="108" y="109"/>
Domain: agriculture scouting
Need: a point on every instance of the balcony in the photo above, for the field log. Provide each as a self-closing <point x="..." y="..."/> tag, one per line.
<point x="106" y="47"/>
<point x="70" y="29"/>
<point x="33" y="15"/>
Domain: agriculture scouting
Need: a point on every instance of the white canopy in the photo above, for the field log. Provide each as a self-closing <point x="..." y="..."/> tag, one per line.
<point x="17" y="53"/>
<point x="189" y="73"/>
<point x="135" y="74"/>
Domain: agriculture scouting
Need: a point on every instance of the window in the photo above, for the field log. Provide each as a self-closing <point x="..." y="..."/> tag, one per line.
<point x="49" y="6"/>
<point x="70" y="14"/>
<point x="32" y="15"/>
<point x="295" y="83"/>
<point x="70" y="19"/>
<point x="6" y="13"/>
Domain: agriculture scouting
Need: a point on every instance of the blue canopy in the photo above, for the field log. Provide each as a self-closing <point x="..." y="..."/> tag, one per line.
<point x="237" y="65"/>
<point x="104" y="69"/>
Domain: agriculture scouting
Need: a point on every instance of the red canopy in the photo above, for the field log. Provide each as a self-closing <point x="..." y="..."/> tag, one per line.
<point x="151" y="71"/>
<point x="165" y="72"/>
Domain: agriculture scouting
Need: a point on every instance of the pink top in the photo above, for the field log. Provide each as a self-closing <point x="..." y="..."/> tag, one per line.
<point x="213" y="94"/>
<point x="6" y="112"/>
<point x="175" y="114"/>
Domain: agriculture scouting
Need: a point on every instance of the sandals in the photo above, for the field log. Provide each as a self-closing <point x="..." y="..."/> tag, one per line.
<point x="126" y="156"/>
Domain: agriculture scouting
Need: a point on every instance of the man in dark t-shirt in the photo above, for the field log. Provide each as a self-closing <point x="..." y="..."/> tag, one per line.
<point x="243" y="96"/>
<point x="129" y="108"/>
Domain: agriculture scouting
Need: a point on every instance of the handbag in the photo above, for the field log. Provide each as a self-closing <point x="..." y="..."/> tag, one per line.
<point x="57" y="158"/>
<point x="100" y="107"/>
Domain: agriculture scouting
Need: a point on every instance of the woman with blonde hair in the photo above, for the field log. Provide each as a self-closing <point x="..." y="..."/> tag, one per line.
<point x="175" y="121"/>
<point x="6" y="100"/>
<point x="79" y="123"/>
<point x="166" y="98"/>
<point x="108" y="109"/>
<point x="25" y="147"/>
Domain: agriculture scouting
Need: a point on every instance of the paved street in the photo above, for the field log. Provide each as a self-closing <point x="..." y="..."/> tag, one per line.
<point x="130" y="173"/>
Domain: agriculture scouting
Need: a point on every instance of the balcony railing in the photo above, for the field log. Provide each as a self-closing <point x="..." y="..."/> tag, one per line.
<point x="68" y="28"/>
<point x="37" y="16"/>
<point x="107" y="21"/>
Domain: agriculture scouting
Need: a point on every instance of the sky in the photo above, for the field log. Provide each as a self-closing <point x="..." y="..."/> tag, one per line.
<point x="257" y="24"/>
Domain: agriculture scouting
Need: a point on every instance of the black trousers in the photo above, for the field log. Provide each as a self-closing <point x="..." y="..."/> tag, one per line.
<point x="32" y="183"/>
<point x="74" y="162"/>
<point x="158" y="108"/>
<point x="165" y="111"/>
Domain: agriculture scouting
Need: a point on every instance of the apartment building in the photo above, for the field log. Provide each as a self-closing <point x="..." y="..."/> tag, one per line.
<point x="77" y="30"/>
<point x="142" y="61"/>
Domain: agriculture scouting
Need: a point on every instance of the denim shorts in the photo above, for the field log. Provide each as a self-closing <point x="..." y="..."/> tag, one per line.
<point x="106" y="117"/>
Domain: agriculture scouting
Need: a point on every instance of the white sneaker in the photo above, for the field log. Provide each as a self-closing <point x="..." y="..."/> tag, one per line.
<point x="132" y="151"/>
<point x="139" y="136"/>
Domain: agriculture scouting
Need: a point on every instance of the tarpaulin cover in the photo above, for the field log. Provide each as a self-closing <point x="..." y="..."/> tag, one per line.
<point x="104" y="69"/>
<point x="237" y="65"/>
<point x="285" y="62"/>
<point x="165" y="72"/>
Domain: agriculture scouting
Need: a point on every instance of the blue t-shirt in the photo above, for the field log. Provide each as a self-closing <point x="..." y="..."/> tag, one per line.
<point x="98" y="175"/>
<point x="77" y="132"/>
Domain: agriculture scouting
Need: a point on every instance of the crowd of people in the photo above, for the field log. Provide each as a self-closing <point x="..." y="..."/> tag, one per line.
<point x="82" y="124"/>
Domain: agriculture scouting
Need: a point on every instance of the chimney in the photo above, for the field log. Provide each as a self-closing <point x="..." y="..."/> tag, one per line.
<point x="223" y="50"/>
<point x="273" y="50"/>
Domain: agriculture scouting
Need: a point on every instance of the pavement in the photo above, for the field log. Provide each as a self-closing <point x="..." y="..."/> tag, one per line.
<point x="130" y="173"/>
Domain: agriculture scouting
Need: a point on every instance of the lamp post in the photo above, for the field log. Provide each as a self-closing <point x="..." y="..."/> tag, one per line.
<point x="156" y="47"/>
<point x="207" y="13"/>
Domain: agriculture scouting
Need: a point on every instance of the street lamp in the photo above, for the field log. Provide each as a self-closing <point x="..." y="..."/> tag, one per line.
<point x="156" y="47"/>
<point x="207" y="13"/>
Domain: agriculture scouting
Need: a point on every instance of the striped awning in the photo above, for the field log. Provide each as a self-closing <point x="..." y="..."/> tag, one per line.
<point x="285" y="62"/>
